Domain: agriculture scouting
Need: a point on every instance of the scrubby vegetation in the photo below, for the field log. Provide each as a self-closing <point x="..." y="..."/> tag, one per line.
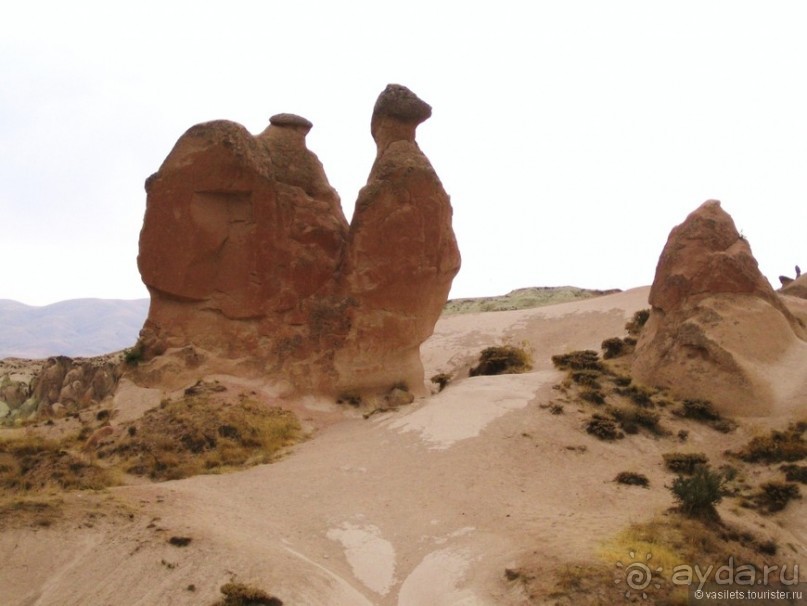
<point x="603" y="428"/>
<point x="196" y="435"/>
<point x="616" y="347"/>
<point x="503" y="359"/>
<point x="442" y="380"/>
<point x="586" y="359"/>
<point x="684" y="462"/>
<point x="705" y="412"/>
<point x="632" y="478"/>
<point x="774" y="496"/>
<point x="637" y="322"/>
<point x="239" y="594"/>
<point x="698" y="493"/>
<point x="778" y="447"/>
<point x="795" y="473"/>
<point x="33" y="463"/>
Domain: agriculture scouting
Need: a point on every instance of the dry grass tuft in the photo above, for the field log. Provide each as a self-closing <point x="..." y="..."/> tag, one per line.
<point x="778" y="447"/>
<point x="32" y="463"/>
<point x="502" y="360"/>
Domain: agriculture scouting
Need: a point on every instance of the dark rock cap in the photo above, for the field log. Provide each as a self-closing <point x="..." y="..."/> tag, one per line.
<point x="402" y="104"/>
<point x="290" y="120"/>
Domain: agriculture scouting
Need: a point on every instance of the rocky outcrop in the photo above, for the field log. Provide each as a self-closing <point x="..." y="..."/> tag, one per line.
<point x="717" y="330"/>
<point x="72" y="383"/>
<point x="249" y="259"/>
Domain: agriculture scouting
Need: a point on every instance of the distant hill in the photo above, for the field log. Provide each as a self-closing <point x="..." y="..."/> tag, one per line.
<point x="92" y="327"/>
<point x="524" y="298"/>
<point x="78" y="327"/>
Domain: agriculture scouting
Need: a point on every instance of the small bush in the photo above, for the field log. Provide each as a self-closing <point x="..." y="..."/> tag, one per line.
<point x="616" y="347"/>
<point x="774" y="496"/>
<point x="180" y="541"/>
<point x="778" y="447"/>
<point x="700" y="410"/>
<point x="684" y="462"/>
<point x="238" y="594"/>
<point x="134" y="355"/>
<point x="502" y="360"/>
<point x="593" y="396"/>
<point x="704" y="411"/>
<point x="586" y="359"/>
<point x="683" y="435"/>
<point x="697" y="494"/>
<point x="637" y="322"/>
<point x="442" y="380"/>
<point x="638" y="417"/>
<point x="641" y="396"/>
<point x="603" y="428"/>
<point x="795" y="473"/>
<point x="586" y="378"/>
<point x="632" y="479"/>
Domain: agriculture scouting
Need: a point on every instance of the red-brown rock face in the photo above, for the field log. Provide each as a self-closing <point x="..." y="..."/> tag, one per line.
<point x="247" y="254"/>
<point x="717" y="330"/>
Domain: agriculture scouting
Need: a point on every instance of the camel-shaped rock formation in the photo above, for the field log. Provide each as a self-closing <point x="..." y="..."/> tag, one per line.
<point x="248" y="256"/>
<point x="717" y="329"/>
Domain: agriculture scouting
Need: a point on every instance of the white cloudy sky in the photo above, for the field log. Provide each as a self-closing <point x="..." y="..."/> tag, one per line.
<point x="571" y="135"/>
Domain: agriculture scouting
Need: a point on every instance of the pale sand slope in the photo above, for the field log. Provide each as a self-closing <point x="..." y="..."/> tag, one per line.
<point x="424" y="506"/>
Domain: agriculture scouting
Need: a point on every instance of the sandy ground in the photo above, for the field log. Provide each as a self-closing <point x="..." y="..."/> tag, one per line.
<point x="424" y="506"/>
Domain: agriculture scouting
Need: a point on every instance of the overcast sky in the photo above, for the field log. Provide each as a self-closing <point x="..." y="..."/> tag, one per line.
<point x="571" y="136"/>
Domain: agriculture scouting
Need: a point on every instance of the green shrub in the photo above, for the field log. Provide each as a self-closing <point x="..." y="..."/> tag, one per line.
<point x="697" y="494"/>
<point x="637" y="322"/>
<point x="684" y="462"/>
<point x="134" y="355"/>
<point x="632" y="479"/>
<point x="502" y="360"/>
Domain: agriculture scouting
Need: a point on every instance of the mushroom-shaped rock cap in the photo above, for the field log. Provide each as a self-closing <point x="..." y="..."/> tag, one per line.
<point x="290" y="120"/>
<point x="400" y="103"/>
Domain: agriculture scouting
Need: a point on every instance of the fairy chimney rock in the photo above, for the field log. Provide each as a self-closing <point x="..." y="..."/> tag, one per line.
<point x="248" y="256"/>
<point x="716" y="321"/>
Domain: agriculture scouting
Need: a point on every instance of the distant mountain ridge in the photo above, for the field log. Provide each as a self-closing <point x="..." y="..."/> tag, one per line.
<point x="93" y="327"/>
<point x="77" y="327"/>
<point x="523" y="298"/>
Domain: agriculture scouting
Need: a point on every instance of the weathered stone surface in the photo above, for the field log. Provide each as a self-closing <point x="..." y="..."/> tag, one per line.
<point x="401" y="254"/>
<point x="247" y="254"/>
<point x="705" y="255"/>
<point x="717" y="330"/>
